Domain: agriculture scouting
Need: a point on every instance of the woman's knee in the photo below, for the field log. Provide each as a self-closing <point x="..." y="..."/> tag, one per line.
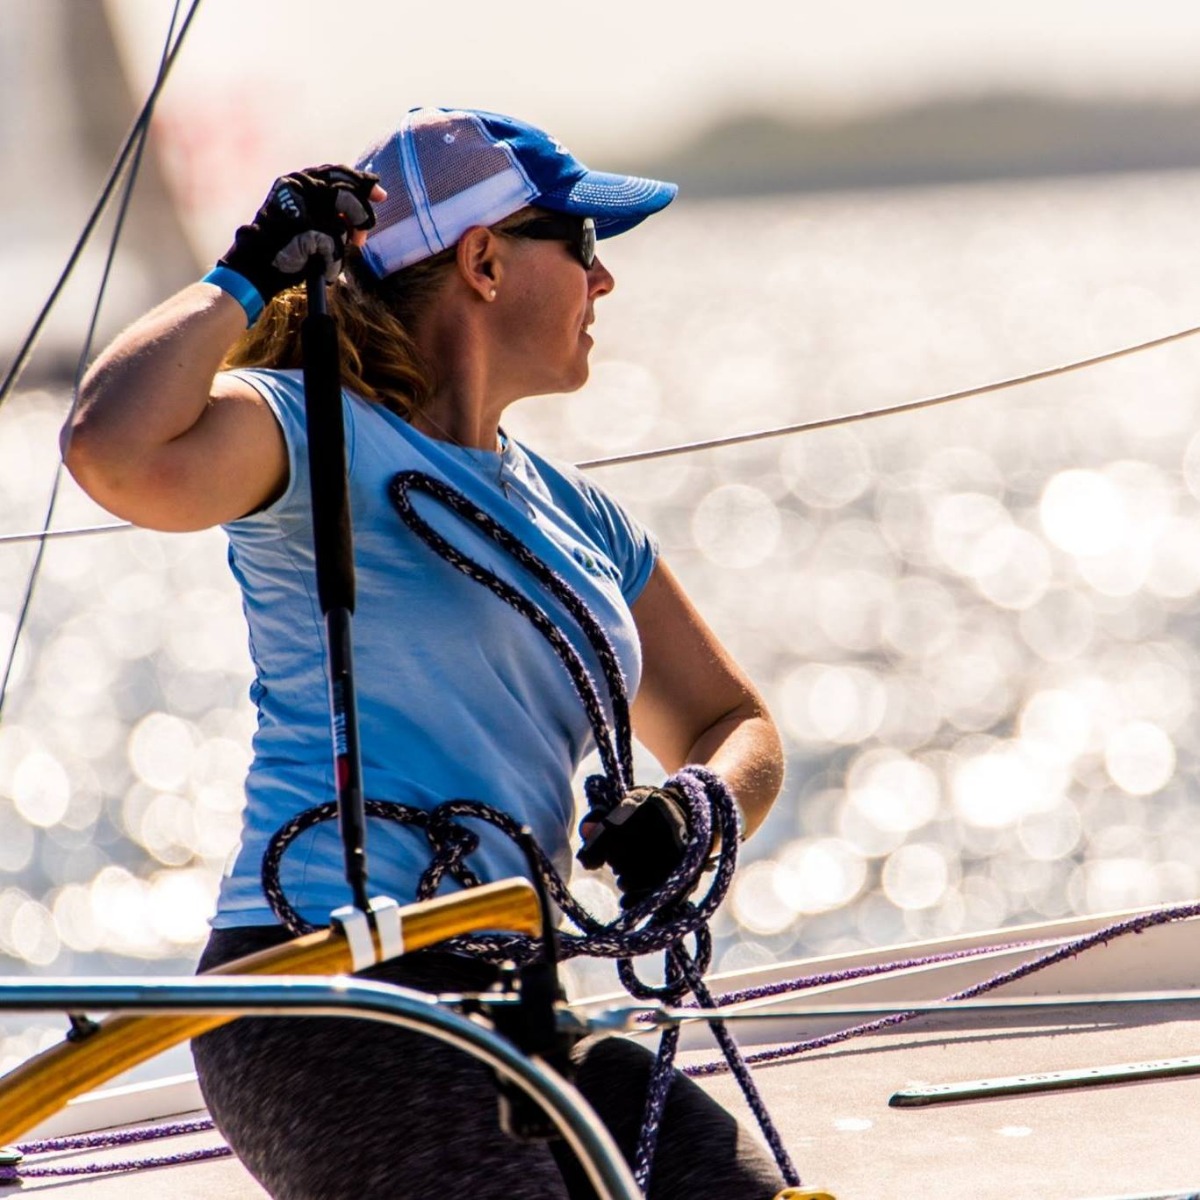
<point x="702" y="1149"/>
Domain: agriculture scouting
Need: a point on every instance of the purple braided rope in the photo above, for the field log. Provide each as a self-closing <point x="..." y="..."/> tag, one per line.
<point x="107" y="1139"/>
<point x="1138" y="924"/>
<point x="15" y="1174"/>
<point x="741" y="1072"/>
<point x="115" y="1137"/>
<point x="765" y="990"/>
<point x="684" y="975"/>
<point x="638" y="931"/>
<point x="662" y="1075"/>
<point x="615" y="749"/>
<point x="554" y="583"/>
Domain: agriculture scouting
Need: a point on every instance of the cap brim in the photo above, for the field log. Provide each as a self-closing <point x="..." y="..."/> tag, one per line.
<point x="615" y="202"/>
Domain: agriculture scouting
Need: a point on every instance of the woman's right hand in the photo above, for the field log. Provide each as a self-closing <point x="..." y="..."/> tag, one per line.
<point x="158" y="436"/>
<point x="307" y="213"/>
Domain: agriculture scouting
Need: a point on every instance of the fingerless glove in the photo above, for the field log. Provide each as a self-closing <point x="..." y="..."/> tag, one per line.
<point x="306" y="213"/>
<point x="642" y="839"/>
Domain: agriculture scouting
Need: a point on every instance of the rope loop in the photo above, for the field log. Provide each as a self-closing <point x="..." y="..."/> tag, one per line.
<point x="650" y="927"/>
<point x="614" y="746"/>
<point x="450" y="843"/>
<point x="602" y="794"/>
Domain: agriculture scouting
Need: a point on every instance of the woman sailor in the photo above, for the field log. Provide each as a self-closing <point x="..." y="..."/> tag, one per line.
<point x="464" y="277"/>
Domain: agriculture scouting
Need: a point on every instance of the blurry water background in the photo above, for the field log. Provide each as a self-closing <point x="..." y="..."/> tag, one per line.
<point x="975" y="625"/>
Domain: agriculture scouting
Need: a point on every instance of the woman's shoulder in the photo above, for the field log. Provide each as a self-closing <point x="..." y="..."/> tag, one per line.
<point x="562" y="478"/>
<point x="591" y="503"/>
<point x="282" y="390"/>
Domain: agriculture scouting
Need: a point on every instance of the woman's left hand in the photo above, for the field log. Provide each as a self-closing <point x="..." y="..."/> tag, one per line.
<point x="643" y="839"/>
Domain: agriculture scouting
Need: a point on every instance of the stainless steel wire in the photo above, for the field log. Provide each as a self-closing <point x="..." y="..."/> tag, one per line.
<point x="869" y="414"/>
<point x="127" y="163"/>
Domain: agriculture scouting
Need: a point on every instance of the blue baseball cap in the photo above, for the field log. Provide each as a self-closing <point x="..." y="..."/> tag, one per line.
<point x="447" y="169"/>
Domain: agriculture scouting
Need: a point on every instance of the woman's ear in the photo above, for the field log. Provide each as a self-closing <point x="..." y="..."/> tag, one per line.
<point x="479" y="261"/>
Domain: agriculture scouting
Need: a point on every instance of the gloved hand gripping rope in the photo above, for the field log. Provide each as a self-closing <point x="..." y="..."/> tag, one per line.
<point x="657" y="912"/>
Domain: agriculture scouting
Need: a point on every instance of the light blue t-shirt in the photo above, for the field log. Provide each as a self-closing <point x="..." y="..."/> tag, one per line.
<point x="459" y="696"/>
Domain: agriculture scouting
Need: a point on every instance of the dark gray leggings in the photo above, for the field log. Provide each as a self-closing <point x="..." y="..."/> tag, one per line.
<point x="345" y="1109"/>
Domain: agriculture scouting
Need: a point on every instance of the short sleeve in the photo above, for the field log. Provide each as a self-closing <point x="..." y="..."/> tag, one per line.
<point x="632" y="548"/>
<point x="627" y="544"/>
<point x="284" y="396"/>
<point x="283" y="392"/>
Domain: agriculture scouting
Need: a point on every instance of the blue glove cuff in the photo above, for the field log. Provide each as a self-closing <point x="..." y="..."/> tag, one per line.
<point x="240" y="288"/>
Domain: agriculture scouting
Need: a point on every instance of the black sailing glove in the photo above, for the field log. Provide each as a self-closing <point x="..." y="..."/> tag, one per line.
<point x="308" y="212"/>
<point x="642" y="839"/>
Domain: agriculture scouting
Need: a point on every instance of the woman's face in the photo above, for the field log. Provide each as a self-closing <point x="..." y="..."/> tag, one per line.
<point x="548" y="300"/>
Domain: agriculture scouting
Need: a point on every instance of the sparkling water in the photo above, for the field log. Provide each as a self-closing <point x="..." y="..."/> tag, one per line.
<point x="974" y="623"/>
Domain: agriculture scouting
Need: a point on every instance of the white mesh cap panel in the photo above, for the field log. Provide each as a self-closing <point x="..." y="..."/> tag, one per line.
<point x="469" y="178"/>
<point x="455" y="153"/>
<point x="384" y="159"/>
<point x="399" y="245"/>
<point x="443" y="174"/>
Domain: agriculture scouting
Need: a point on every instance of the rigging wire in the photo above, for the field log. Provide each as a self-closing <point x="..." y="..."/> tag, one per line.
<point x="759" y="435"/>
<point x="133" y="139"/>
<point x="738" y="439"/>
<point x="135" y="144"/>
<point x="50" y="535"/>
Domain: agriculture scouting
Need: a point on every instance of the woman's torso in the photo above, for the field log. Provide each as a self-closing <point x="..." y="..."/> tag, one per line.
<point x="458" y="695"/>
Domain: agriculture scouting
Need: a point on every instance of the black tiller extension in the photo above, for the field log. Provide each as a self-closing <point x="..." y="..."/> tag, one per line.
<point x="333" y="546"/>
<point x="534" y="1025"/>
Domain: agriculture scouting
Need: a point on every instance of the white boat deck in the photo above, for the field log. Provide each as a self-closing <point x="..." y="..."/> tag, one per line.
<point x="1132" y="1139"/>
<point x="1140" y="1138"/>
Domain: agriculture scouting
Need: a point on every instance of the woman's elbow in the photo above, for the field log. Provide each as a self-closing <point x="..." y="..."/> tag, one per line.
<point x="97" y="471"/>
<point x="122" y="478"/>
<point x="84" y="442"/>
<point x="75" y="444"/>
<point x="774" y="760"/>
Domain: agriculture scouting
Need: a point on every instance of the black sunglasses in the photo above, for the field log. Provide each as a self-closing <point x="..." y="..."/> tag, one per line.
<point x="578" y="232"/>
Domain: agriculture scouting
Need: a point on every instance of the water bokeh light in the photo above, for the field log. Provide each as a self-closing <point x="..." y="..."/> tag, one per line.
<point x="975" y="624"/>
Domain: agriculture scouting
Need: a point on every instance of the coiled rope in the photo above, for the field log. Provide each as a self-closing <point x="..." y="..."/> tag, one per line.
<point x="659" y="923"/>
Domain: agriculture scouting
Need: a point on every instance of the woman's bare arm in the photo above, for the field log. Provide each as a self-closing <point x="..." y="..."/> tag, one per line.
<point x="158" y="440"/>
<point x="695" y="705"/>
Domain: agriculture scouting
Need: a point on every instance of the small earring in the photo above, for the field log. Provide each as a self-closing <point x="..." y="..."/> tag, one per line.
<point x="492" y="294"/>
